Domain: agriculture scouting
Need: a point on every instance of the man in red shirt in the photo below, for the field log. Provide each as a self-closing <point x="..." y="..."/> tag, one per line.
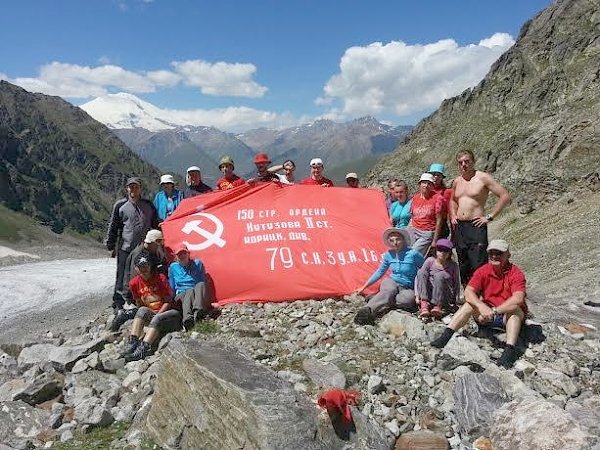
<point x="495" y="296"/>
<point x="229" y="180"/>
<point x="316" y="174"/>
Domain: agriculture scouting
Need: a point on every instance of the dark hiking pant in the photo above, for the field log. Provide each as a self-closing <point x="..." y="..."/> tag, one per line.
<point x="118" y="300"/>
<point x="195" y="300"/>
<point x="471" y="248"/>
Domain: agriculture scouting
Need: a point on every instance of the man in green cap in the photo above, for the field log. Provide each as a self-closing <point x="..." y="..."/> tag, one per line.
<point x="229" y="180"/>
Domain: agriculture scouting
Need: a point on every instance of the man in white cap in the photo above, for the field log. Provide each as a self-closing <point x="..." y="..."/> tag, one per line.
<point x="426" y="211"/>
<point x="168" y="198"/>
<point x="316" y="174"/>
<point x="195" y="186"/>
<point x="495" y="297"/>
<point x="153" y="245"/>
<point x="352" y="180"/>
<point x="130" y="220"/>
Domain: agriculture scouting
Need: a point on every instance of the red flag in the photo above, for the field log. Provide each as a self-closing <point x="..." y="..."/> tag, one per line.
<point x="274" y="242"/>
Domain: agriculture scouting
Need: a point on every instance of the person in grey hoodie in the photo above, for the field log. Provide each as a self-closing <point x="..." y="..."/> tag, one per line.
<point x="132" y="217"/>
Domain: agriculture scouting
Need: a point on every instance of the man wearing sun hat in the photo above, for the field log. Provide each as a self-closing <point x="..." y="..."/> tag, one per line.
<point x="495" y="296"/>
<point x="397" y="290"/>
<point x="195" y="186"/>
<point x="262" y="161"/>
<point x="439" y="187"/>
<point x="132" y="217"/>
<point x="316" y="174"/>
<point x="168" y="198"/>
<point x="229" y="180"/>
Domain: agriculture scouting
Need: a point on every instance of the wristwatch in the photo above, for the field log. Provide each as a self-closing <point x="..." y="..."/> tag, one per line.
<point x="489" y="217"/>
<point x="494" y="310"/>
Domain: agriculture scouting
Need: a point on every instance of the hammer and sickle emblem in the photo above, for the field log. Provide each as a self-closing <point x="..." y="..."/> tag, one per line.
<point x="193" y="226"/>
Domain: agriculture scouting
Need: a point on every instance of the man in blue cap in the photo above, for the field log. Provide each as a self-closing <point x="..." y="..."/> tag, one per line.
<point x="439" y="187"/>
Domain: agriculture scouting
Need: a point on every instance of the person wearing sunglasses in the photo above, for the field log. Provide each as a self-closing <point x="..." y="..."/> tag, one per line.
<point x="494" y="297"/>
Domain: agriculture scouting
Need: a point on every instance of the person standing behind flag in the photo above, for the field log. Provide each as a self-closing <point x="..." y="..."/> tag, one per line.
<point x="262" y="161"/>
<point x="229" y="180"/>
<point x="195" y="186"/>
<point x="352" y="180"/>
<point x="316" y="174"/>
<point x="400" y="207"/>
<point x="168" y="198"/>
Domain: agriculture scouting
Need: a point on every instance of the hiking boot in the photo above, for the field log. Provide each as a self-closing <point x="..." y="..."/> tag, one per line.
<point x="436" y="311"/>
<point x="122" y="316"/>
<point x="424" y="308"/>
<point x="508" y="357"/>
<point x="132" y="344"/>
<point x="189" y="323"/>
<point x="200" y="315"/>
<point x="141" y="351"/>
<point x="364" y="316"/>
<point x="443" y="338"/>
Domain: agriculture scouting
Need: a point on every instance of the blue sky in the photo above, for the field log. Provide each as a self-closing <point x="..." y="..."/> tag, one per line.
<point x="260" y="62"/>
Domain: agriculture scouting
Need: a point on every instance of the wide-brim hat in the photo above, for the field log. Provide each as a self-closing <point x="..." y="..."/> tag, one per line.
<point x="226" y="160"/>
<point x="405" y="234"/>
<point x="438" y="168"/>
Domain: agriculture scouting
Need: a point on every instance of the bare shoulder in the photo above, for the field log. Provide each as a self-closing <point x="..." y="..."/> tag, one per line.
<point x="485" y="177"/>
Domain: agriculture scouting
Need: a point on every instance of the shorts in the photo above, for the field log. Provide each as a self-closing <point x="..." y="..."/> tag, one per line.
<point x="497" y="322"/>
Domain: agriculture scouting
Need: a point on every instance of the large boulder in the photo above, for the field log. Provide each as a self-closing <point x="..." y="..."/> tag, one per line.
<point x="535" y="423"/>
<point x="476" y="397"/>
<point x="403" y="325"/>
<point x="63" y="357"/>
<point x="20" y="423"/>
<point x="223" y="399"/>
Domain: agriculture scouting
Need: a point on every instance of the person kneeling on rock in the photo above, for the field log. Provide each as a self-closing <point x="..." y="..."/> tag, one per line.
<point x="153" y="295"/>
<point x="495" y="296"/>
<point x="188" y="280"/>
<point x="397" y="290"/>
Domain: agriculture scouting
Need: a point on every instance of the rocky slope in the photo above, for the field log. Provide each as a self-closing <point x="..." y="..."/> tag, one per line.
<point x="60" y="166"/>
<point x="534" y="123"/>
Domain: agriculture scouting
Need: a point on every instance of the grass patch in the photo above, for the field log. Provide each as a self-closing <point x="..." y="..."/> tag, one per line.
<point x="101" y="438"/>
<point x="206" y="327"/>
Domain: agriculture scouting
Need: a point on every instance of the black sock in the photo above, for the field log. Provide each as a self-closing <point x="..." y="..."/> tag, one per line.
<point x="441" y="341"/>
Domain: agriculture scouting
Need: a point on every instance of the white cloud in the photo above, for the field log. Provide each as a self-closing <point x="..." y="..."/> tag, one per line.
<point x="220" y="78"/>
<point x="405" y="79"/>
<point x="75" y="81"/>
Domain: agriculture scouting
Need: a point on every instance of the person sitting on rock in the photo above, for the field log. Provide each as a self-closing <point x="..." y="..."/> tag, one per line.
<point x="188" y="281"/>
<point x="229" y="180"/>
<point x="263" y="174"/>
<point x="400" y="207"/>
<point x="437" y="283"/>
<point x="168" y="198"/>
<point x="426" y="211"/>
<point x="195" y="186"/>
<point x="495" y="296"/>
<point x="316" y="174"/>
<point x="397" y="290"/>
<point x="153" y="296"/>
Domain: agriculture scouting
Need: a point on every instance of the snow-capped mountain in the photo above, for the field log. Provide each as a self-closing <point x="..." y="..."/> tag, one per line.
<point x="128" y="111"/>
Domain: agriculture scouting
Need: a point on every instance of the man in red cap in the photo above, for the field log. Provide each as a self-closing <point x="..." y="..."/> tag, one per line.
<point x="262" y="161"/>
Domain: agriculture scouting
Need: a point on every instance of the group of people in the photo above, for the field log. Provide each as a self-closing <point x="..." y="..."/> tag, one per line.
<point x="425" y="230"/>
<point x="494" y="288"/>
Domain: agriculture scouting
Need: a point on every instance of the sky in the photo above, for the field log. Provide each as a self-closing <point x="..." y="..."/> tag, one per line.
<point x="274" y="63"/>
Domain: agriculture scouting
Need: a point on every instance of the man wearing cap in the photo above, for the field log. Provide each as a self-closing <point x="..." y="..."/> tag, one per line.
<point x="439" y="187"/>
<point x="229" y="180"/>
<point x="316" y="174"/>
<point x="262" y="161"/>
<point x="132" y="217"/>
<point x="467" y="212"/>
<point x="195" y="186"/>
<point x="495" y="296"/>
<point x="352" y="180"/>
<point x="397" y="290"/>
<point x="188" y="281"/>
<point x="153" y="246"/>
<point x="426" y="212"/>
<point x="168" y="198"/>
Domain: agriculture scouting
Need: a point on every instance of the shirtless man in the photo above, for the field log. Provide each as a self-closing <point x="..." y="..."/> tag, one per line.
<point x="467" y="213"/>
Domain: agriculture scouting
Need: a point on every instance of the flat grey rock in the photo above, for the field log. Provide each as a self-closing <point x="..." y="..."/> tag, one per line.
<point x="324" y="374"/>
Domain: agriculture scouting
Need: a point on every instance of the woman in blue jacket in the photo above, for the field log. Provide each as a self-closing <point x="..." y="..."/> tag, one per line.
<point x="168" y="198"/>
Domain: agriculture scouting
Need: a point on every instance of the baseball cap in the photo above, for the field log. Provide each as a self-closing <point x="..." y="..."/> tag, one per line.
<point x="193" y="169"/>
<point x="153" y="236"/>
<point x="261" y="158"/>
<point x="426" y="177"/>
<point x="444" y="243"/>
<point x="439" y="168"/>
<point x="143" y="259"/>
<point x="167" y="179"/>
<point x="351" y="175"/>
<point x="316" y="162"/>
<point x="181" y="248"/>
<point x="498" y="244"/>
<point x="133" y="180"/>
